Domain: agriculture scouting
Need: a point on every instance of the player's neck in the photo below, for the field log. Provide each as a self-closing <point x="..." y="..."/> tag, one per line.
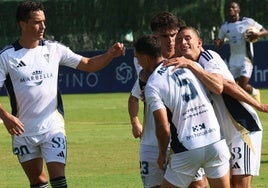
<point x="234" y="18"/>
<point x="28" y="43"/>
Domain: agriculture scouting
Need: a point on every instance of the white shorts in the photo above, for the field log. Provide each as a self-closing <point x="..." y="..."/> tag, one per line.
<point x="244" y="160"/>
<point x="151" y="174"/>
<point x="51" y="146"/>
<point x="240" y="66"/>
<point x="183" y="166"/>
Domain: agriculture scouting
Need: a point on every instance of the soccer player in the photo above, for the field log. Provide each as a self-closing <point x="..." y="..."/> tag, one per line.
<point x="239" y="122"/>
<point x="165" y="26"/>
<point x="185" y="118"/>
<point x="29" y="69"/>
<point x="241" y="51"/>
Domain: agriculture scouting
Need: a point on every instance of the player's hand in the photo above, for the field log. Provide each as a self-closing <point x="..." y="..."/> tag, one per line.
<point x="177" y="62"/>
<point x="263" y="108"/>
<point x="136" y="130"/>
<point x="252" y="36"/>
<point x="117" y="50"/>
<point x="13" y="125"/>
<point x="217" y="42"/>
<point x="161" y="161"/>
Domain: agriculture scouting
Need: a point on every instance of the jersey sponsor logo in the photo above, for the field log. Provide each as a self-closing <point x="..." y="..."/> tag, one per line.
<point x="37" y="77"/>
<point x="200" y="132"/>
<point x="46" y="56"/>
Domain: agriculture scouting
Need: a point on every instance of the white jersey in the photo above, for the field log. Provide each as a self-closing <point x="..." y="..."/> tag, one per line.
<point x="234" y="32"/>
<point x="31" y="79"/>
<point x="233" y="116"/>
<point x="148" y="136"/>
<point x="193" y="123"/>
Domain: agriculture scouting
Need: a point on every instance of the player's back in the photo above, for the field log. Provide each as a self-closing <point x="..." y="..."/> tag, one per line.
<point x="193" y="122"/>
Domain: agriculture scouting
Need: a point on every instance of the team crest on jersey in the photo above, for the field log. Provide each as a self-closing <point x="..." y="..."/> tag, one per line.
<point x="46" y="56"/>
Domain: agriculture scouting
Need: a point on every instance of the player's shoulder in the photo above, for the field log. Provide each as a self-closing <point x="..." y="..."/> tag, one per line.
<point x="5" y="48"/>
<point x="246" y="19"/>
<point x="224" y="24"/>
<point x="209" y="54"/>
<point x="157" y="75"/>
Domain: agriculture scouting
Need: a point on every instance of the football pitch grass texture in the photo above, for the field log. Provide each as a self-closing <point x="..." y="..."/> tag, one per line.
<point x="101" y="150"/>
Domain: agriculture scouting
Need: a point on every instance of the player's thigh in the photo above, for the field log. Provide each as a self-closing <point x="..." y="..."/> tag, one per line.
<point x="34" y="169"/>
<point x="238" y="181"/>
<point x="166" y="184"/>
<point x="55" y="169"/>
<point x="222" y="182"/>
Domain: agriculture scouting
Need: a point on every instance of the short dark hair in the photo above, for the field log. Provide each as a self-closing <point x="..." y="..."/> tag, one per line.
<point x="166" y="21"/>
<point x="233" y="1"/>
<point x="196" y="31"/>
<point x="25" y="8"/>
<point x="149" y="45"/>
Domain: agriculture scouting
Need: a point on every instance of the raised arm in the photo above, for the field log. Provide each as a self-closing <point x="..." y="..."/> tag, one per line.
<point x="98" y="62"/>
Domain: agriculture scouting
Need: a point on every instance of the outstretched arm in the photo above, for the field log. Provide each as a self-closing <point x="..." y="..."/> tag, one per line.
<point x="263" y="32"/>
<point x="233" y="89"/>
<point x="98" y="62"/>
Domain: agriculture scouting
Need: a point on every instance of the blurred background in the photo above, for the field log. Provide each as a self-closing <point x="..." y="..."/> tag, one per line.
<point x="96" y="24"/>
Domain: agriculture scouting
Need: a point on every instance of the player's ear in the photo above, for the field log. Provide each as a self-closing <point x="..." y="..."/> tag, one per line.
<point x="200" y="42"/>
<point x="21" y="25"/>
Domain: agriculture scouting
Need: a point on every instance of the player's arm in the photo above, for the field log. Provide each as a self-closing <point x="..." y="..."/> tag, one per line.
<point x="220" y="39"/>
<point x="98" y="62"/>
<point x="162" y="134"/>
<point x="13" y="125"/>
<point x="212" y="81"/>
<point x="133" y="110"/>
<point x="263" y="32"/>
<point x="233" y="89"/>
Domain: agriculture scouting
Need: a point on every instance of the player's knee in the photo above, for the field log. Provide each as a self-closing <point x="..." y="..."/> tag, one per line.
<point x="59" y="182"/>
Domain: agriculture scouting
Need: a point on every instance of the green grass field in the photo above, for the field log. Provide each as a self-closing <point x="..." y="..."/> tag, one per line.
<point x="101" y="150"/>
